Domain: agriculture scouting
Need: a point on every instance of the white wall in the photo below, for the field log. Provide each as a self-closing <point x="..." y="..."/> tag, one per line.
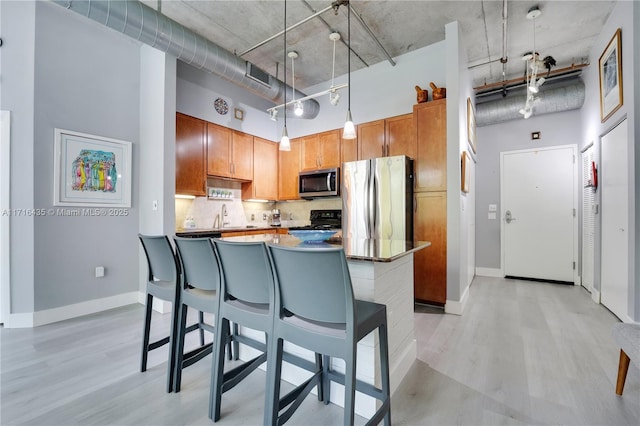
<point x="379" y="91"/>
<point x="460" y="206"/>
<point x="625" y="16"/>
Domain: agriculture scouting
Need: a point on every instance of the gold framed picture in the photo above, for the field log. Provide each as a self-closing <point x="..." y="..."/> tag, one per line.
<point x="471" y="125"/>
<point x="610" y="67"/>
<point x="465" y="177"/>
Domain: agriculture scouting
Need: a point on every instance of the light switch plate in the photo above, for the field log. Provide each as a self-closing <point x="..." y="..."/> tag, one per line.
<point x="492" y="216"/>
<point x="493" y="207"/>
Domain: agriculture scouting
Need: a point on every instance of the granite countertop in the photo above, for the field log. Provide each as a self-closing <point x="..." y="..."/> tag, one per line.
<point x="194" y="232"/>
<point x="360" y="249"/>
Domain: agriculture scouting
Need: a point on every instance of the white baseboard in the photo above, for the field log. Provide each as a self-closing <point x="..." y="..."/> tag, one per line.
<point x="23" y="320"/>
<point x="490" y="272"/>
<point x="457" y="307"/>
<point x="48" y="316"/>
<point x="595" y="295"/>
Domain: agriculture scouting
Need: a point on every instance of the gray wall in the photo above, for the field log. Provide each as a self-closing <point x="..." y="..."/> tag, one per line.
<point x="555" y="129"/>
<point x="86" y="83"/>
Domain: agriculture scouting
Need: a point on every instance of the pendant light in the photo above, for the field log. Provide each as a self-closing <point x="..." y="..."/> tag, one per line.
<point x="285" y="143"/>
<point x="349" y="129"/>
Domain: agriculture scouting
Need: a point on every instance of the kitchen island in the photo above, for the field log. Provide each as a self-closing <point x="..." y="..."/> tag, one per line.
<point x="382" y="272"/>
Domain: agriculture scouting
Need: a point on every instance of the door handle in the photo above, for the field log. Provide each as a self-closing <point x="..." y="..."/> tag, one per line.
<point x="507" y="216"/>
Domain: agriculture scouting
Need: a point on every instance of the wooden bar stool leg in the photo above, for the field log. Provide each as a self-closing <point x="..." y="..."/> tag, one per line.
<point x="623" y="367"/>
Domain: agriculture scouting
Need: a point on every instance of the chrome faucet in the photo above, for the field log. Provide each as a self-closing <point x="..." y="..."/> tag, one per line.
<point x="216" y="222"/>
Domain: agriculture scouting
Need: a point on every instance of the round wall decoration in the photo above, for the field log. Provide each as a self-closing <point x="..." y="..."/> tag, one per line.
<point x="221" y="106"/>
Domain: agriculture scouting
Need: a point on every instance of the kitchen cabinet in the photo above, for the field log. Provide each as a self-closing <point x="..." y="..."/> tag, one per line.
<point x="430" y="122"/>
<point x="371" y="140"/>
<point x="383" y="138"/>
<point x="190" y="155"/>
<point x="321" y="150"/>
<point x="430" y="264"/>
<point x="264" y="185"/>
<point x="229" y="153"/>
<point x="349" y="149"/>
<point x="430" y="218"/>
<point x="289" y="167"/>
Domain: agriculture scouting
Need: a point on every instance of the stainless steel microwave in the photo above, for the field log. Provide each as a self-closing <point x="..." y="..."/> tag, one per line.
<point x="319" y="183"/>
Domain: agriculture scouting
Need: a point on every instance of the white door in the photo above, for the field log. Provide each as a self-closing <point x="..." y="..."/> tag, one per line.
<point x="538" y="212"/>
<point x="614" y="271"/>
<point x="588" y="218"/>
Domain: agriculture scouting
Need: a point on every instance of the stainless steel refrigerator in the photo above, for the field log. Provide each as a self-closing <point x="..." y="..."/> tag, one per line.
<point x="377" y="199"/>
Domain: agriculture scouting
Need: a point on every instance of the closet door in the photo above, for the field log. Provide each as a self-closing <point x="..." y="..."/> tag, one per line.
<point x="614" y="279"/>
<point x="588" y="220"/>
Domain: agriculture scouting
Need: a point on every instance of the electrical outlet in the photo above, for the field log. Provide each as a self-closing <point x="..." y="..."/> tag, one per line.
<point x="99" y="271"/>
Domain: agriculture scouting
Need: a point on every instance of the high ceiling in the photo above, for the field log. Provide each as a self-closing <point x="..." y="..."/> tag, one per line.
<point x="565" y="30"/>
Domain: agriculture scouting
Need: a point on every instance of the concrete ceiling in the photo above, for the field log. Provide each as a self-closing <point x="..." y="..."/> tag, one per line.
<point x="565" y="30"/>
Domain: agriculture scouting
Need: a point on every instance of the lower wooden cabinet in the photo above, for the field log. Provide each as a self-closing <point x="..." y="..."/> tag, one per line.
<point x="430" y="264"/>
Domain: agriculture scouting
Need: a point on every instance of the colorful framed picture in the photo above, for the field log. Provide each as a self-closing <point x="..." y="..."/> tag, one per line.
<point x="610" y="66"/>
<point x="471" y="125"/>
<point x="91" y="170"/>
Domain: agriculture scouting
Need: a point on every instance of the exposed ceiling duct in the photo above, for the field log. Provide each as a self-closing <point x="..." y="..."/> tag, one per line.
<point x="145" y="24"/>
<point x="551" y="98"/>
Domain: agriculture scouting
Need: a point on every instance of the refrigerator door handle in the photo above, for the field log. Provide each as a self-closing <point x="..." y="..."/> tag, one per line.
<point x="371" y="198"/>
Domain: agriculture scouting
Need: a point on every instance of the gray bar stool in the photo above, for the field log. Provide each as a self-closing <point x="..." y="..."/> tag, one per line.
<point x="315" y="308"/>
<point x="199" y="290"/>
<point x="246" y="299"/>
<point x="162" y="282"/>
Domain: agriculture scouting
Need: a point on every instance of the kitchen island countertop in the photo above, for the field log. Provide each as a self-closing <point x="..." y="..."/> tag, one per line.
<point x="375" y="250"/>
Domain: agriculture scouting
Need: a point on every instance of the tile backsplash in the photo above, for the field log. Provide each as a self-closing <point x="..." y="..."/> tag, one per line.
<point x="242" y="213"/>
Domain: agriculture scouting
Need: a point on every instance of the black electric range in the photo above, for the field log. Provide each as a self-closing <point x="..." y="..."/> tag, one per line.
<point x="323" y="219"/>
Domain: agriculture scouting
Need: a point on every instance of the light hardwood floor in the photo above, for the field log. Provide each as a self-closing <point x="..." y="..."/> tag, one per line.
<point x="523" y="353"/>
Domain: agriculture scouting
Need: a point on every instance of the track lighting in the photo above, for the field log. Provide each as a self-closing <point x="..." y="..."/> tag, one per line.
<point x="334" y="97"/>
<point x="273" y="114"/>
<point x="285" y="143"/>
<point x="298" y="109"/>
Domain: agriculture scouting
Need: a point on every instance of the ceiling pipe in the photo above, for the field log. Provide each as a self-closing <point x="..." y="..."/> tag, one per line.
<point x="148" y="26"/>
<point x="551" y="99"/>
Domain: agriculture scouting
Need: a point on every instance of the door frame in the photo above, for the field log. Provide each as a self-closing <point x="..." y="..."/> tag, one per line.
<point x="5" y="248"/>
<point x="574" y="148"/>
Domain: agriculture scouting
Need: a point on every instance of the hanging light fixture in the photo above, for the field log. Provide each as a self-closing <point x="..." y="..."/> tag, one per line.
<point x="533" y="66"/>
<point x="349" y="129"/>
<point x="298" y="109"/>
<point x="285" y="143"/>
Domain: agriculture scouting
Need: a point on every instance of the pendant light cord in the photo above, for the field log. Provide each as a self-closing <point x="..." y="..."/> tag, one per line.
<point x="349" y="56"/>
<point x="285" y="64"/>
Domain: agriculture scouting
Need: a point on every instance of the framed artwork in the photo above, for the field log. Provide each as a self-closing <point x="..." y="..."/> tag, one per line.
<point x="610" y="67"/>
<point x="465" y="177"/>
<point x="471" y="125"/>
<point x="91" y="170"/>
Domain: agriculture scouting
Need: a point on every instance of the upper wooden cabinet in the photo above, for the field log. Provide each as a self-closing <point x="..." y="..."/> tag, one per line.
<point x="264" y="185"/>
<point x="321" y="150"/>
<point x="229" y="153"/>
<point x="371" y="140"/>
<point x="349" y="149"/>
<point x="400" y="136"/>
<point x="430" y="122"/>
<point x="383" y="138"/>
<point x="190" y="155"/>
<point x="289" y="167"/>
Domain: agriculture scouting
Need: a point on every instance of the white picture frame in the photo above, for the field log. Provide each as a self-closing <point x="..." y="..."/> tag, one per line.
<point x="91" y="170"/>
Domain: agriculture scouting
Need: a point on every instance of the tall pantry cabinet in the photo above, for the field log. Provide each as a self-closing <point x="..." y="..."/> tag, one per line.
<point x="430" y="216"/>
